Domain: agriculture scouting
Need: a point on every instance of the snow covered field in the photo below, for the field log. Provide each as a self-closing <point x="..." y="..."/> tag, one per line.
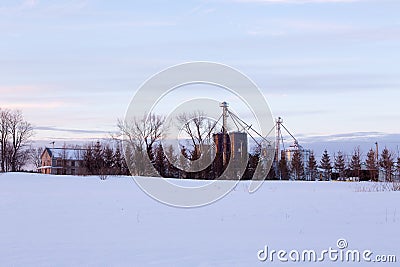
<point x="83" y="221"/>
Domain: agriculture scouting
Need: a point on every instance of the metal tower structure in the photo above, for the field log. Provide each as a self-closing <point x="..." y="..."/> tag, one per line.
<point x="278" y="125"/>
<point x="280" y="145"/>
<point x="224" y="105"/>
<point x="241" y="126"/>
<point x="262" y="141"/>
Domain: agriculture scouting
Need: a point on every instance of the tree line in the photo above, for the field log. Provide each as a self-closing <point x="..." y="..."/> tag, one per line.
<point x="340" y="167"/>
<point x="142" y="139"/>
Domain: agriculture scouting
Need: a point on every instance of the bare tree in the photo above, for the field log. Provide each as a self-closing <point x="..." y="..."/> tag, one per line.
<point x="146" y="130"/>
<point x="36" y="156"/>
<point x="197" y="127"/>
<point x="4" y="134"/>
<point x="140" y="135"/>
<point x="15" y="133"/>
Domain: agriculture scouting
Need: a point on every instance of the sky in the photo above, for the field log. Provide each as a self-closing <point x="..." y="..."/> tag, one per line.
<point x="330" y="68"/>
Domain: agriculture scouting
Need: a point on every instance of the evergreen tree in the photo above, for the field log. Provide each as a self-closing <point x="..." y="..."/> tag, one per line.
<point x="340" y="165"/>
<point x="372" y="165"/>
<point x="398" y="167"/>
<point x="118" y="161"/>
<point x="183" y="163"/>
<point x="283" y="168"/>
<point x="387" y="164"/>
<point x="194" y="163"/>
<point x="128" y="166"/>
<point x="160" y="160"/>
<point x="108" y="159"/>
<point x="355" y="163"/>
<point x="312" y="167"/>
<point x="88" y="160"/>
<point x="172" y="159"/>
<point x="297" y="167"/>
<point x="98" y="155"/>
<point x="326" y="165"/>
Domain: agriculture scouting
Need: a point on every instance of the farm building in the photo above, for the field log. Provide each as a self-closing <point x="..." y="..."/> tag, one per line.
<point x="62" y="161"/>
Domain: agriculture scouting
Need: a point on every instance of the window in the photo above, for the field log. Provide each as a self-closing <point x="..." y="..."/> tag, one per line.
<point x="72" y="163"/>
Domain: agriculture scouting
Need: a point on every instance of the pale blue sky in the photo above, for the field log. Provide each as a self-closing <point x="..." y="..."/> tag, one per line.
<point x="327" y="66"/>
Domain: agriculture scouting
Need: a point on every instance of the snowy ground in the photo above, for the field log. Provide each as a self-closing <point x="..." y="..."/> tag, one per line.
<point x="77" y="221"/>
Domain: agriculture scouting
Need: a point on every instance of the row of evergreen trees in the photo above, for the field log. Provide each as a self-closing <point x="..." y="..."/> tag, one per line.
<point x="103" y="160"/>
<point x="340" y="167"/>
